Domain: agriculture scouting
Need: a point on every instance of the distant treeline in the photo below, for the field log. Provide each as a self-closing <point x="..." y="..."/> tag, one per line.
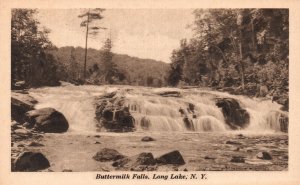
<point x="129" y="70"/>
<point x="37" y="62"/>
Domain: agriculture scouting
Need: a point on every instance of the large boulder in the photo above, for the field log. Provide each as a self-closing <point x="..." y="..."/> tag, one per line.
<point x="235" y="116"/>
<point x="173" y="157"/>
<point x="47" y="120"/>
<point x="20" y="104"/>
<point x="140" y="161"/>
<point x="30" y="161"/>
<point x="107" y="154"/>
<point x="113" y="114"/>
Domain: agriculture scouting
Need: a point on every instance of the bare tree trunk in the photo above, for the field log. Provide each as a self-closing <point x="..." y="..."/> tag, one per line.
<point x="241" y="62"/>
<point x="253" y="38"/>
<point x="86" y="41"/>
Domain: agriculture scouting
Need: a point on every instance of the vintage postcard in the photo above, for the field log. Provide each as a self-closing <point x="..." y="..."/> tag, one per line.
<point x="149" y="92"/>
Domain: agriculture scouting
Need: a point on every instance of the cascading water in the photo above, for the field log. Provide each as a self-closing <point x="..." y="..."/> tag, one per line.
<point x="156" y="113"/>
<point x="75" y="102"/>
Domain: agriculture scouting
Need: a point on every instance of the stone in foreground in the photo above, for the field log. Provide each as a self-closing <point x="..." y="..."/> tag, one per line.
<point x="31" y="161"/>
<point x="264" y="156"/>
<point x="173" y="157"/>
<point x="107" y="154"/>
<point x="138" y="162"/>
<point x="47" y="120"/>
<point x="147" y="139"/>
<point x="237" y="159"/>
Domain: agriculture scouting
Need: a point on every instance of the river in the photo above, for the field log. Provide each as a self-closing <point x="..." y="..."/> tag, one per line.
<point x="208" y="138"/>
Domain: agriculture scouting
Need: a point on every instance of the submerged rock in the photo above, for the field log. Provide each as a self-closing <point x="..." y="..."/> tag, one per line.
<point x="142" y="161"/>
<point x="233" y="143"/>
<point x="173" y="157"/>
<point x="170" y="94"/>
<point x="145" y="123"/>
<point x="33" y="143"/>
<point x="235" y="116"/>
<point x="47" y="120"/>
<point x="284" y="122"/>
<point x="264" y="156"/>
<point x="237" y="159"/>
<point x="107" y="154"/>
<point x="147" y="139"/>
<point x="31" y="161"/>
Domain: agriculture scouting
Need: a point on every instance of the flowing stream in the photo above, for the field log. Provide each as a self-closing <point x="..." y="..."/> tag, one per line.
<point x="159" y="113"/>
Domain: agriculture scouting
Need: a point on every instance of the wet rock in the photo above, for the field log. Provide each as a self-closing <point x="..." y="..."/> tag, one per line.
<point x="113" y="115"/>
<point x="264" y="156"/>
<point x="279" y="120"/>
<point x="28" y="125"/>
<point x="209" y="158"/>
<point x="237" y="159"/>
<point x="67" y="170"/>
<point x="19" y="85"/>
<point x="21" y="145"/>
<point x="241" y="136"/>
<point x="145" y="123"/>
<point x="237" y="149"/>
<point x="47" y="120"/>
<point x="235" y="116"/>
<point x="144" y="168"/>
<point x="233" y="143"/>
<point x="284" y="122"/>
<point x="188" y="123"/>
<point x="141" y="160"/>
<point x="191" y="108"/>
<point x="20" y="104"/>
<point x="173" y="157"/>
<point x="15" y="125"/>
<point x="21" y="134"/>
<point x="107" y="154"/>
<point x="36" y="144"/>
<point x="170" y="94"/>
<point x="31" y="161"/>
<point x="284" y="101"/>
<point x="147" y="139"/>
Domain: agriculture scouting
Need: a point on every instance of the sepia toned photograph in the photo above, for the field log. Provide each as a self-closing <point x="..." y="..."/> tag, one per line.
<point x="152" y="90"/>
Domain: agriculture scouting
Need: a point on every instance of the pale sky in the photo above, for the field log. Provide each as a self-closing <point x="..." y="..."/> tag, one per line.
<point x="144" y="33"/>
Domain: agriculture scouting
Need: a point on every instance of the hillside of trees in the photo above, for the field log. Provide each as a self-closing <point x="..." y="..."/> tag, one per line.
<point x="129" y="70"/>
<point x="243" y="51"/>
<point x="37" y="62"/>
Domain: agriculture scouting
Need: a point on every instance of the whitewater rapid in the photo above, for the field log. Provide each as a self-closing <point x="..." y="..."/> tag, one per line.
<point x="159" y="113"/>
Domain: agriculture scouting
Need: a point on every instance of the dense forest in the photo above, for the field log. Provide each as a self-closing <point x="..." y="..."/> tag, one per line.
<point x="244" y="51"/>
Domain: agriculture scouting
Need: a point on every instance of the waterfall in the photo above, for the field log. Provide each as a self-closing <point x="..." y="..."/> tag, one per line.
<point x="194" y="110"/>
